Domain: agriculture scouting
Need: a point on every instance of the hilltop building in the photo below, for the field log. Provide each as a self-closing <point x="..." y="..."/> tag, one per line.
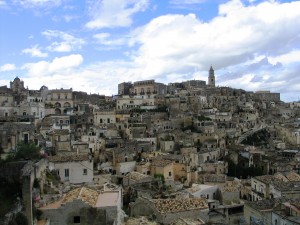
<point x="211" y="77"/>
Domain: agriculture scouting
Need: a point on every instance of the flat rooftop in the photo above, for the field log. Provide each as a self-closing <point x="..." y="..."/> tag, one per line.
<point x="107" y="199"/>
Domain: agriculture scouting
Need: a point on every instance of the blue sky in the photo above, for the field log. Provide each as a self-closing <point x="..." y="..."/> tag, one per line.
<point x="93" y="45"/>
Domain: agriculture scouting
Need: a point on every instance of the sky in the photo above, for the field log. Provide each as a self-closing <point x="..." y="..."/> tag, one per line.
<point x="93" y="45"/>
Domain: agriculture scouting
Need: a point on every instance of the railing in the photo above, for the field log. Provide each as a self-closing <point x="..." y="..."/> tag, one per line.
<point x="260" y="194"/>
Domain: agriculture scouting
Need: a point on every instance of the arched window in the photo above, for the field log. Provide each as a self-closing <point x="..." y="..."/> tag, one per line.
<point x="67" y="105"/>
<point x="57" y="111"/>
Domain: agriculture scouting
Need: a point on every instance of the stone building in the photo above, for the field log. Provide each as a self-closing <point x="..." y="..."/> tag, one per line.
<point x="85" y="206"/>
<point x="167" y="211"/>
<point x="273" y="211"/>
<point x="103" y="117"/>
<point x="275" y="186"/>
<point x="61" y="100"/>
<point x="134" y="178"/>
<point x="163" y="167"/>
<point x="203" y="191"/>
<point x="74" y="169"/>
<point x="7" y="105"/>
<point x="60" y="140"/>
<point x="148" y="87"/>
<point x="288" y="213"/>
<point x="211" y="78"/>
<point x="266" y="96"/>
<point x="17" y="85"/>
<point x="124" y="88"/>
<point x="35" y="109"/>
<point x="11" y="133"/>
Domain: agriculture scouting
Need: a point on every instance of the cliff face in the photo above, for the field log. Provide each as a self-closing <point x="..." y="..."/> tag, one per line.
<point x="259" y="138"/>
<point x="12" y="171"/>
<point x="10" y="187"/>
<point x="16" y="180"/>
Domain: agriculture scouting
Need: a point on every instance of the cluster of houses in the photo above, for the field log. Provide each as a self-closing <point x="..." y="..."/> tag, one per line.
<point x="156" y="154"/>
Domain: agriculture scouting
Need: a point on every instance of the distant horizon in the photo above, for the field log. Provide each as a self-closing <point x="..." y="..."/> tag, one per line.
<point x="93" y="45"/>
<point x="116" y="93"/>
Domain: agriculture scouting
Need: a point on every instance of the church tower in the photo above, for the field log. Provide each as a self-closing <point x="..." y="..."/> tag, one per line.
<point x="211" y="77"/>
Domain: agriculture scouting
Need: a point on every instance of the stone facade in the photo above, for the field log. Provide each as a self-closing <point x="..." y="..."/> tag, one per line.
<point x="85" y="206"/>
<point x="73" y="169"/>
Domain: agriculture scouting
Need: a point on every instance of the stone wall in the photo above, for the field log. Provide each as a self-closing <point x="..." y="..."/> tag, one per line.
<point x="169" y="218"/>
<point x="87" y="215"/>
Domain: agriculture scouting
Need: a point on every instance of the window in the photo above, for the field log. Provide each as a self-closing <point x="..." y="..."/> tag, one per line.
<point x="26" y="138"/>
<point x="76" y="219"/>
<point x="170" y="174"/>
<point x="66" y="172"/>
<point x="84" y="171"/>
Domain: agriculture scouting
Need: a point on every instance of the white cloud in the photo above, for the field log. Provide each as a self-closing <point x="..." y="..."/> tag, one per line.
<point x="62" y="65"/>
<point x="251" y="47"/>
<point x="3" y="4"/>
<point x="68" y="42"/>
<point x="113" y="13"/>
<point x="100" y="78"/>
<point x="35" y="52"/>
<point x="66" y="18"/>
<point x="7" y="67"/>
<point x="186" y="2"/>
<point x="179" y="43"/>
<point x="107" y="40"/>
<point x="290" y="57"/>
<point x="38" y="3"/>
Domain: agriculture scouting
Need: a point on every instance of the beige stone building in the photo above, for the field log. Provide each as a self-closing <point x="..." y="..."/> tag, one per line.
<point x="148" y="87"/>
<point x="163" y="167"/>
<point x="61" y="100"/>
<point x="167" y="211"/>
<point x="104" y="117"/>
<point x="85" y="206"/>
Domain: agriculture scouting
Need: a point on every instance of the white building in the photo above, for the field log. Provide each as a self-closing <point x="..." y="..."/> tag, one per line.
<point x="73" y="168"/>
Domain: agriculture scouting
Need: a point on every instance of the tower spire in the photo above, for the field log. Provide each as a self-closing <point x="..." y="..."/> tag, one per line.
<point x="211" y="77"/>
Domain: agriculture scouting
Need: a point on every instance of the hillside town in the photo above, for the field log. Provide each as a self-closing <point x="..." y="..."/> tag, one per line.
<point x="183" y="153"/>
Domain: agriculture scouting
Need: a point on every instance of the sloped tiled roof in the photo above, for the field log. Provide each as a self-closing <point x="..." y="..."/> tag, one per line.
<point x="87" y="195"/>
<point x="67" y="158"/>
<point x="177" y="205"/>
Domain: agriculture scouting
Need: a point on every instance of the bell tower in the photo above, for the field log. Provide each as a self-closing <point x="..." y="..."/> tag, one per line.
<point x="211" y="77"/>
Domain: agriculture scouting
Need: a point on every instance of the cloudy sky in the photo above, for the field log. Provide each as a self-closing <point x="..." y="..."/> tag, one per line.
<point x="93" y="45"/>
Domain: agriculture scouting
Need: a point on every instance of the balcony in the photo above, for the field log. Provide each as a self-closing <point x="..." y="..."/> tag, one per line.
<point x="260" y="194"/>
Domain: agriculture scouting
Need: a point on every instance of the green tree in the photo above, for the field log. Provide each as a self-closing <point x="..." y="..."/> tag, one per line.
<point x="25" y="151"/>
<point x="18" y="219"/>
